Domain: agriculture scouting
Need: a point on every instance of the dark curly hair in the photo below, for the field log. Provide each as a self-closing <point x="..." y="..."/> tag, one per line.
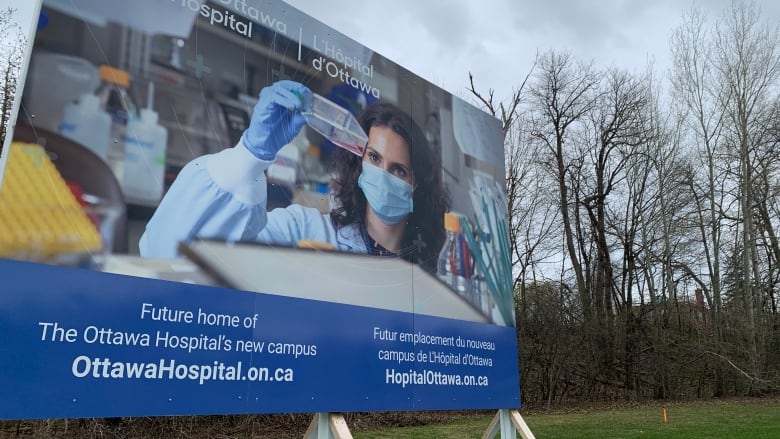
<point x="425" y="233"/>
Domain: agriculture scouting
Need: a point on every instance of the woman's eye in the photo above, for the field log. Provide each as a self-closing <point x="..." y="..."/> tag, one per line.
<point x="374" y="157"/>
<point x="399" y="171"/>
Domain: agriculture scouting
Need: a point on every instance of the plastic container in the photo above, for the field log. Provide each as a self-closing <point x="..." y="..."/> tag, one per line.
<point x="337" y="124"/>
<point x="115" y="100"/>
<point x="482" y="298"/>
<point x="284" y="169"/>
<point x="56" y="80"/>
<point x="144" y="164"/>
<point x="86" y="123"/>
<point x="453" y="263"/>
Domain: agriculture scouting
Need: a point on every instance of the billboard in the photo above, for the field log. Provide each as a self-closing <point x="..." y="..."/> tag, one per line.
<point x="227" y="207"/>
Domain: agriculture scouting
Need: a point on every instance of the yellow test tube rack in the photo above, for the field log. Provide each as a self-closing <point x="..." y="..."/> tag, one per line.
<point x="40" y="218"/>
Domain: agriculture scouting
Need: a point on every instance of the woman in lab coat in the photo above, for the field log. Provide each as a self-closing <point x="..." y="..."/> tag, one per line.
<point x="389" y="202"/>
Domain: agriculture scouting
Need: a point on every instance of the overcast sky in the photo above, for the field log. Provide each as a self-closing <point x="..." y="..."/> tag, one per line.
<point x="443" y="40"/>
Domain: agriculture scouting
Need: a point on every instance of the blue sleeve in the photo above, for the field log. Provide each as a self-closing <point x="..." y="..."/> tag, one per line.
<point x="220" y="196"/>
<point x="287" y="226"/>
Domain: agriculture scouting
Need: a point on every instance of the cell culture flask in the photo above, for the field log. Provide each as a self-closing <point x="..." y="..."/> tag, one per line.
<point x="337" y="124"/>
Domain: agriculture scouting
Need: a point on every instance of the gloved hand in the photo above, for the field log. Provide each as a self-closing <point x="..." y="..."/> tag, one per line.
<point x="276" y="118"/>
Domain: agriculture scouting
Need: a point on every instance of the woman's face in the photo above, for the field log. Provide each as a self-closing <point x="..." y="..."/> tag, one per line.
<point x="389" y="151"/>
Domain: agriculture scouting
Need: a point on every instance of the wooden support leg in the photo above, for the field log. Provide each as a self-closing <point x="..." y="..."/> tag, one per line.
<point x="507" y="429"/>
<point x="338" y="425"/>
<point x="520" y="425"/>
<point x="328" y="426"/>
<point x="334" y="426"/>
<point x="492" y="429"/>
<point x="507" y="422"/>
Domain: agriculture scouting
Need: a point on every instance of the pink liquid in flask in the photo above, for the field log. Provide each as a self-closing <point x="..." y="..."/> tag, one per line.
<point x="337" y="124"/>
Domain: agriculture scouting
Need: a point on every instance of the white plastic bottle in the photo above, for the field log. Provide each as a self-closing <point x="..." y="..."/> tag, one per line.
<point x="86" y="123"/>
<point x="115" y="100"/>
<point x="144" y="159"/>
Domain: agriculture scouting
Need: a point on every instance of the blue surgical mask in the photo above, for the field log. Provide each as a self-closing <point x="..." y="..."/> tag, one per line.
<point x="389" y="197"/>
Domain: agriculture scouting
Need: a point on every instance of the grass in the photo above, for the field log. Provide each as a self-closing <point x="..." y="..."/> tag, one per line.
<point x="733" y="418"/>
<point x="757" y="419"/>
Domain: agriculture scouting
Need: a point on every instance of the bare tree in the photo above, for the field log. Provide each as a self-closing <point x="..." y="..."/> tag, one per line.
<point x="640" y="216"/>
<point x="748" y="66"/>
<point x="613" y="129"/>
<point x="562" y="95"/>
<point x="10" y="65"/>
<point x="728" y="81"/>
<point x="619" y="124"/>
<point x="695" y="88"/>
<point x="662" y="215"/>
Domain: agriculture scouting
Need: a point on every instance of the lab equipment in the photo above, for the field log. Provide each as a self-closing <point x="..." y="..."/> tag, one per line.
<point x="40" y="218"/>
<point x="337" y="124"/>
<point x="55" y="80"/>
<point x="492" y="256"/>
<point x="276" y="118"/>
<point x="284" y="170"/>
<point x="145" y="155"/>
<point x="480" y="289"/>
<point x="86" y="123"/>
<point x="115" y="100"/>
<point x="454" y="261"/>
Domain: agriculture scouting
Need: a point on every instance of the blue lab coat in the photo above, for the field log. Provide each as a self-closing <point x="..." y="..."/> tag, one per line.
<point x="223" y="196"/>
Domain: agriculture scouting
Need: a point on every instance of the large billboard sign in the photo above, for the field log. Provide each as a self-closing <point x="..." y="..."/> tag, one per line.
<point x="228" y="207"/>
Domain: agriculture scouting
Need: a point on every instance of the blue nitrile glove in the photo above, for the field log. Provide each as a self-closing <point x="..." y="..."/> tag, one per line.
<point x="276" y="118"/>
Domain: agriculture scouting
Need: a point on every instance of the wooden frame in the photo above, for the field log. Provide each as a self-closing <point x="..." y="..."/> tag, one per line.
<point x="333" y="426"/>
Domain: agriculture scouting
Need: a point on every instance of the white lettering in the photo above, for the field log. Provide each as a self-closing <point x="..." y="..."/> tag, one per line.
<point x="231" y="21"/>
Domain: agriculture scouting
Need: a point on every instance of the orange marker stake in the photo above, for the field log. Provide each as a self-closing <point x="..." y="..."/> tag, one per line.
<point x="666" y="420"/>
